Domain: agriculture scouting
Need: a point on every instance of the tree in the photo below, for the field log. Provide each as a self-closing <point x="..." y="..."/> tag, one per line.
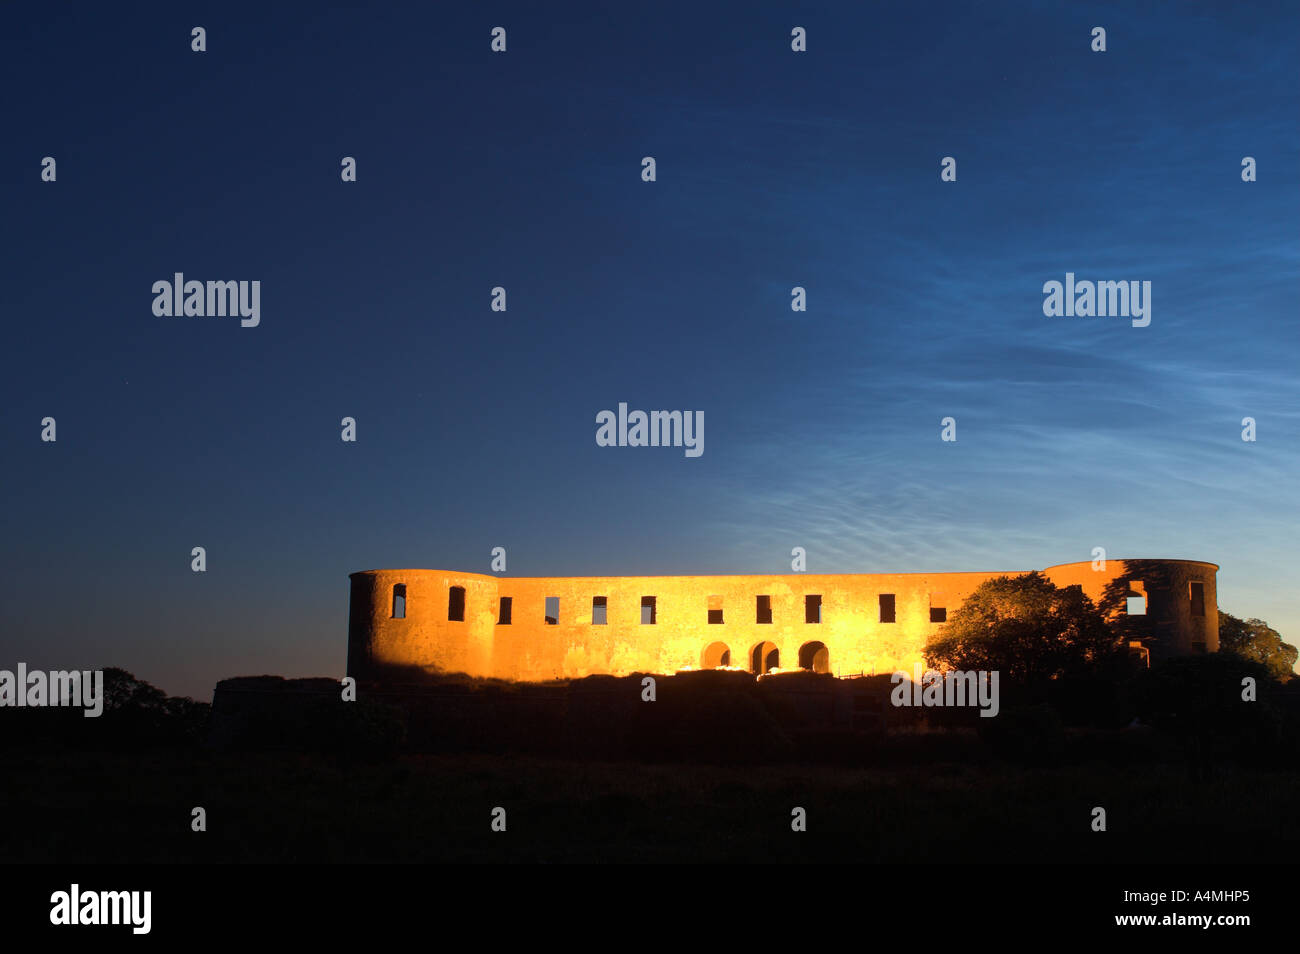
<point x="1028" y="629"/>
<point x="1255" y="640"/>
<point x="123" y="691"/>
<point x="139" y="714"/>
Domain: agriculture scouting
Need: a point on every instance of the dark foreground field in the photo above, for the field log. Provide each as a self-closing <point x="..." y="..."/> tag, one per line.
<point x="710" y="770"/>
<point x="124" y="807"/>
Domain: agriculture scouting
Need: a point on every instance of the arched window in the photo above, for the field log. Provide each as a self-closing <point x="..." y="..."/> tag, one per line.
<point x="764" y="657"/>
<point x="715" y="655"/>
<point x="815" y="656"/>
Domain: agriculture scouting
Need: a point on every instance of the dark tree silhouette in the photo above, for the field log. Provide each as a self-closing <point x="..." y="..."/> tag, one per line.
<point x="139" y="714"/>
<point x="1028" y="629"/>
<point x="1256" y="641"/>
<point x="122" y="690"/>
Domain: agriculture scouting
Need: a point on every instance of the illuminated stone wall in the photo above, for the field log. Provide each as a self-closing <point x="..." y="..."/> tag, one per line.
<point x="855" y="638"/>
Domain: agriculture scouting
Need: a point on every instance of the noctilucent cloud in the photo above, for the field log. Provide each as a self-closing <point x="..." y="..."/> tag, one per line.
<point x="522" y="169"/>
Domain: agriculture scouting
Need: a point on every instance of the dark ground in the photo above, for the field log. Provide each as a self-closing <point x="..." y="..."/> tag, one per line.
<point x="277" y="807"/>
<point x="711" y="771"/>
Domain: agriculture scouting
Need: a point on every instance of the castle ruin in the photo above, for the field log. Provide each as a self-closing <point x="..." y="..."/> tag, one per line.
<point x="542" y="628"/>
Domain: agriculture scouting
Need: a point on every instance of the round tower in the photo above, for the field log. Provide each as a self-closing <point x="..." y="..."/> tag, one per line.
<point x="407" y="624"/>
<point x="1168" y="607"/>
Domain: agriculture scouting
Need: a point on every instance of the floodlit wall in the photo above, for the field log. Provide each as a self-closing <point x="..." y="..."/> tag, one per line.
<point x="554" y="627"/>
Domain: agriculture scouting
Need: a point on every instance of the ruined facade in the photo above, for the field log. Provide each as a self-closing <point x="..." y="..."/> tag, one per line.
<point x="539" y="628"/>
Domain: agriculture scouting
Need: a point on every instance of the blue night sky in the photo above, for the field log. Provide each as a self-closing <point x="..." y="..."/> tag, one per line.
<point x="477" y="429"/>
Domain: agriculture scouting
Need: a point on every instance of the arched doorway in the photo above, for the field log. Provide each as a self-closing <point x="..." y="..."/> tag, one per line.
<point x="815" y="656"/>
<point x="764" y="657"/>
<point x="715" y="655"/>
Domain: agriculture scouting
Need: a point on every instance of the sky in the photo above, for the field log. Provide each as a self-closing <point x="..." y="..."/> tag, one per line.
<point x="476" y="428"/>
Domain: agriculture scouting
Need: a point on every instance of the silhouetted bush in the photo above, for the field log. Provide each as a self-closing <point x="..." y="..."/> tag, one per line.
<point x="1086" y="699"/>
<point x="1030" y="735"/>
<point x="1188" y="709"/>
<point x="135" y="717"/>
<point x="1198" y="699"/>
<point x="714" y="717"/>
